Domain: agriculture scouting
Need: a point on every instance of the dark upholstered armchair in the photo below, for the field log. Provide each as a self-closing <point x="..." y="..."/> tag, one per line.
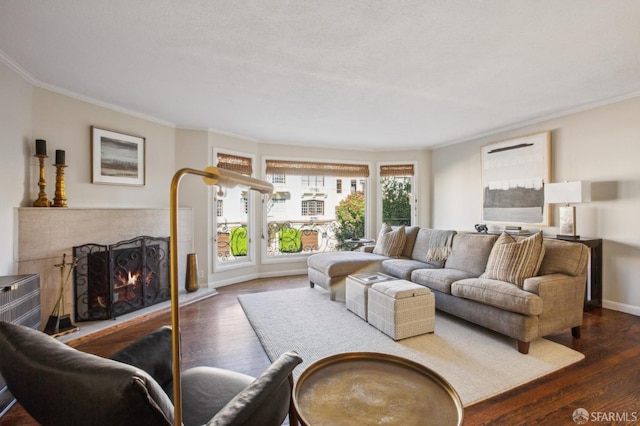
<point x="59" y="385"/>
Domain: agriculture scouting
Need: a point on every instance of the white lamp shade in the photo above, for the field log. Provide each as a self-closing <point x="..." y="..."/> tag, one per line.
<point x="567" y="192"/>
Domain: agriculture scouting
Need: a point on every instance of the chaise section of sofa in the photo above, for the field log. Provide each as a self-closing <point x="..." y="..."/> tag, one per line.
<point x="330" y="270"/>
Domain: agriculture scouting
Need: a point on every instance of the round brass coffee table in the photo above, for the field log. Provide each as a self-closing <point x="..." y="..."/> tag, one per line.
<point x="359" y="388"/>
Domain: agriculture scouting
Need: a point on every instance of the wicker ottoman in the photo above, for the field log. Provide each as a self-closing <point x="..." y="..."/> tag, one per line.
<point x="401" y="309"/>
<point x="356" y="289"/>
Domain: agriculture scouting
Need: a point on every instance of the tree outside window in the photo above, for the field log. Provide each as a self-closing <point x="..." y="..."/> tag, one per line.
<point x="396" y="183"/>
<point x="350" y="214"/>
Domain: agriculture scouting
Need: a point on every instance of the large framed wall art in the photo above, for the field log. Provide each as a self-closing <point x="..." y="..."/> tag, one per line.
<point x="117" y="158"/>
<point x="514" y="173"/>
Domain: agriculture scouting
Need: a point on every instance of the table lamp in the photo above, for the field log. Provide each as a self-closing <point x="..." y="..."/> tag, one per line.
<point x="211" y="176"/>
<point x="567" y="193"/>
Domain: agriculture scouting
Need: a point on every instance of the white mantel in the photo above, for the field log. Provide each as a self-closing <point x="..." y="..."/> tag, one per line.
<point x="45" y="234"/>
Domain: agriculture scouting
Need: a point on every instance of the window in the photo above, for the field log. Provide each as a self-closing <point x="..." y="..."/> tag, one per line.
<point x="233" y="206"/>
<point x="315" y="181"/>
<point x="304" y="219"/>
<point x="278" y="179"/>
<point x="396" y="183"/>
<point x="312" y="208"/>
<point x="354" y="185"/>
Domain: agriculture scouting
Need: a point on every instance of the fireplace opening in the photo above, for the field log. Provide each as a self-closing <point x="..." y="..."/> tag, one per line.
<point x="113" y="280"/>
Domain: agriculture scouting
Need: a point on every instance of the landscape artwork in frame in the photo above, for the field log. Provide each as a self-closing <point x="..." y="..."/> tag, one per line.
<point x="514" y="173"/>
<point x="118" y="159"/>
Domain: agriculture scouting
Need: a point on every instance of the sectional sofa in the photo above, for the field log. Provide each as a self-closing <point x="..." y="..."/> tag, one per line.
<point x="476" y="276"/>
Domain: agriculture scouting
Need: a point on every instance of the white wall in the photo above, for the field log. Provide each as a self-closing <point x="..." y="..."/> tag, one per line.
<point x="15" y="161"/>
<point x="601" y="145"/>
<point x="65" y="123"/>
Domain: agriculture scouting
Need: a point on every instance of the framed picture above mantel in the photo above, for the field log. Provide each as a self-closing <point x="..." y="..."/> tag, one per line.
<point x="117" y="158"/>
<point x="514" y="173"/>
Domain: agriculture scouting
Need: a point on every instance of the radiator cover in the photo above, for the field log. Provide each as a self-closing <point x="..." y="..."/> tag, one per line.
<point x="19" y="304"/>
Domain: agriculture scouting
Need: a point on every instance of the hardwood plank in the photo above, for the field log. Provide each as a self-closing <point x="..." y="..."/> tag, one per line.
<point x="215" y="332"/>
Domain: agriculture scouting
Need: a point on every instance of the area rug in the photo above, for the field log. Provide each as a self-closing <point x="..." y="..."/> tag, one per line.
<point x="477" y="362"/>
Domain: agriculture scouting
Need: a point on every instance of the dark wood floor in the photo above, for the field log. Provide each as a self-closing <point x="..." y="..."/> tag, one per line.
<point x="216" y="332"/>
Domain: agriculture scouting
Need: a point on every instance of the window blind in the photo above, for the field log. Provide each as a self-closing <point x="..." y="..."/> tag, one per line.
<point x="235" y="163"/>
<point x="307" y="168"/>
<point x="396" y="170"/>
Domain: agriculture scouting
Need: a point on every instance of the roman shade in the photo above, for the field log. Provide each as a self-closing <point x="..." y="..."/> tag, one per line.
<point x="307" y="168"/>
<point x="235" y="163"/>
<point x="396" y="170"/>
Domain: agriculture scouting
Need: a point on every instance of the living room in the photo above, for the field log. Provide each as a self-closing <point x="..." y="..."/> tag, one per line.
<point x="594" y="140"/>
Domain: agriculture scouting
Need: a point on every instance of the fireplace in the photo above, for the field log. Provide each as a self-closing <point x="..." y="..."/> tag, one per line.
<point x="113" y="280"/>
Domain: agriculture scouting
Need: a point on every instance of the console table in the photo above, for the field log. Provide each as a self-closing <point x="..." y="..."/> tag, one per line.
<point x="593" y="295"/>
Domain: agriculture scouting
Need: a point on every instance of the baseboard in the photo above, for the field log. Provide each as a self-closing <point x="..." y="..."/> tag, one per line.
<point x="286" y="273"/>
<point x="621" y="307"/>
<point x="247" y="277"/>
<point x="232" y="280"/>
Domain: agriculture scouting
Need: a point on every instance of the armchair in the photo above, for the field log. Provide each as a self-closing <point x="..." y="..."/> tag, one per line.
<point x="59" y="385"/>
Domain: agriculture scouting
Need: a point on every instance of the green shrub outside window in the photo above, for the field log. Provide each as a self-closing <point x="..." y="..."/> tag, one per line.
<point x="238" y="241"/>
<point x="290" y="240"/>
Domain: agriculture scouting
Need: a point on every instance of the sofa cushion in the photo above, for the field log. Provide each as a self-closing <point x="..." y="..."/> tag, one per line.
<point x="439" y="279"/>
<point x="390" y="241"/>
<point x="513" y="261"/>
<point x="341" y="263"/>
<point x="500" y="294"/>
<point x="410" y="232"/>
<point x="563" y="257"/>
<point x="470" y="252"/>
<point x="402" y="268"/>
<point x="429" y="242"/>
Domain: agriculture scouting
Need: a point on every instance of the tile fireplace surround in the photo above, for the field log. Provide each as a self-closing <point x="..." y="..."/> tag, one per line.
<point x="45" y="234"/>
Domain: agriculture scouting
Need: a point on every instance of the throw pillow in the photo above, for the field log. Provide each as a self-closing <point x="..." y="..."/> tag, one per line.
<point x="390" y="242"/>
<point x="513" y="261"/>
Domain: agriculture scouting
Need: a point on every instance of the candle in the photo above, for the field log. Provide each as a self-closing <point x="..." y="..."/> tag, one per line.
<point x="41" y="147"/>
<point x="59" y="156"/>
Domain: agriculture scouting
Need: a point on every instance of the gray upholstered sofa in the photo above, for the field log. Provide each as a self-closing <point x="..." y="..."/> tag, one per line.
<point x="540" y="305"/>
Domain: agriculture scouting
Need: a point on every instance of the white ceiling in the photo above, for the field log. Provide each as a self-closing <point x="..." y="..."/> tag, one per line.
<point x="369" y="74"/>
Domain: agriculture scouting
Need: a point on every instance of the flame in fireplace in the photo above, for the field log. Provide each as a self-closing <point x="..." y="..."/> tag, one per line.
<point x="130" y="280"/>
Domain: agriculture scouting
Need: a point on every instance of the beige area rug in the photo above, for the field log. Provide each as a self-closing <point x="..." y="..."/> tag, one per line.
<point x="477" y="362"/>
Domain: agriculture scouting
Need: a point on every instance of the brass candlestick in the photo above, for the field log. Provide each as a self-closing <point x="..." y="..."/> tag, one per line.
<point x="42" y="200"/>
<point x="60" y="199"/>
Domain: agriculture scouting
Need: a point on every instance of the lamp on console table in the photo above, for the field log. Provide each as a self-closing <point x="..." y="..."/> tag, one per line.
<point x="567" y="193"/>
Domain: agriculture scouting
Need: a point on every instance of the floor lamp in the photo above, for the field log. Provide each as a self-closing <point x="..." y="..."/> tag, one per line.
<point x="211" y="176"/>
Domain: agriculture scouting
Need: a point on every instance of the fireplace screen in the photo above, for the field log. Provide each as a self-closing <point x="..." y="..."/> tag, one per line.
<point x="113" y="280"/>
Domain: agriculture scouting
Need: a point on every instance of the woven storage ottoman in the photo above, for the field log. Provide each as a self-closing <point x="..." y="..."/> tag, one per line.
<point x="357" y="286"/>
<point x="401" y="309"/>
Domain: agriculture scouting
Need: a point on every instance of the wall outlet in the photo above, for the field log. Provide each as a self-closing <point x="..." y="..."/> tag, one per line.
<point x="200" y="273"/>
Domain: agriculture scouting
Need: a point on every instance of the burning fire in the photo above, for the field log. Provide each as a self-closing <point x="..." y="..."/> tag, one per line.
<point x="130" y="280"/>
